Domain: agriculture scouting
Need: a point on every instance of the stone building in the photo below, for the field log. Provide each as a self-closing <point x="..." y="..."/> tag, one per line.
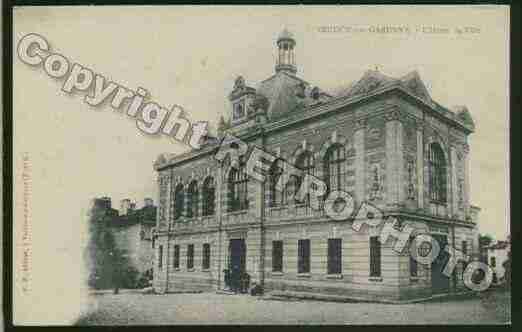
<point x="132" y="231"/>
<point x="130" y="227"/>
<point x="382" y="139"/>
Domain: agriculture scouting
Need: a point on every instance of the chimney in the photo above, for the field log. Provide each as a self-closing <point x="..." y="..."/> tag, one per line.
<point x="132" y="206"/>
<point x="124" y="206"/>
<point x="148" y="202"/>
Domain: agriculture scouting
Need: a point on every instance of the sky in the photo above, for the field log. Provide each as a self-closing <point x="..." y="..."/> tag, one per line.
<point x="190" y="56"/>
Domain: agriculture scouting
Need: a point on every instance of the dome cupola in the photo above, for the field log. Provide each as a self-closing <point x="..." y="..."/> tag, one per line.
<point x="286" y="56"/>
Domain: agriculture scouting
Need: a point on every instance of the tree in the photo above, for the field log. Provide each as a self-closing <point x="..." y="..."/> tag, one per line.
<point x="485" y="240"/>
<point x="108" y="266"/>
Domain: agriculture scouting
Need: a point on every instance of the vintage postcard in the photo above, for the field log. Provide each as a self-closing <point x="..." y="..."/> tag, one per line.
<point x="310" y="165"/>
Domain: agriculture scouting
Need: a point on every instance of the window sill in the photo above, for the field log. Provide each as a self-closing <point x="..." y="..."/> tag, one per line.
<point x="414" y="279"/>
<point x="303" y="275"/>
<point x="205" y="270"/>
<point x="177" y="269"/>
<point x="234" y="213"/>
<point x="300" y="205"/>
<point x="191" y="270"/>
<point x="277" y="273"/>
<point x="375" y="279"/>
<point x="334" y="276"/>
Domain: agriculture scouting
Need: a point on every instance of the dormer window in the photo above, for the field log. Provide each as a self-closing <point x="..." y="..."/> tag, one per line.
<point x="239" y="110"/>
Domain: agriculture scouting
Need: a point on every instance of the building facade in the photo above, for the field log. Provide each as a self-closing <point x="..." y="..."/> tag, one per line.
<point x="382" y="139"/>
<point x="131" y="229"/>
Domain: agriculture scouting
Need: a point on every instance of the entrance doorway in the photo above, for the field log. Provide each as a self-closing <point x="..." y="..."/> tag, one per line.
<point x="234" y="278"/>
<point x="440" y="283"/>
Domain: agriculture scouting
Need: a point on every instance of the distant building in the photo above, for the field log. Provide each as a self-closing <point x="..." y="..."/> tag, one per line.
<point x="132" y="231"/>
<point x="131" y="228"/>
<point x="497" y="255"/>
<point x="101" y="209"/>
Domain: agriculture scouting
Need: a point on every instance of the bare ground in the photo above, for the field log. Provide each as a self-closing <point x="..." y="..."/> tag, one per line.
<point x="131" y="308"/>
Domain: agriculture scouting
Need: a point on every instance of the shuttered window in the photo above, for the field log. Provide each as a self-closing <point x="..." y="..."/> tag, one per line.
<point x="334" y="256"/>
<point x="193" y="200"/>
<point x="176" y="256"/>
<point x="375" y="257"/>
<point x="206" y="256"/>
<point x="190" y="256"/>
<point x="437" y="173"/>
<point x="209" y="196"/>
<point x="334" y="168"/>
<point x="277" y="256"/>
<point x="303" y="260"/>
<point x="237" y="189"/>
<point x="413" y="267"/>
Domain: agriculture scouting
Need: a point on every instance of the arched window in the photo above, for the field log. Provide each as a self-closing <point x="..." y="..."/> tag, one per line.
<point x="276" y="197"/>
<point x="237" y="189"/>
<point x="209" y="196"/>
<point x="437" y="170"/>
<point x="305" y="162"/>
<point x="334" y="168"/>
<point x="192" y="200"/>
<point x="179" y="201"/>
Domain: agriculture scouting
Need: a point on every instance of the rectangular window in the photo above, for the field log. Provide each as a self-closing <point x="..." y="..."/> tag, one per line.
<point x="303" y="260"/>
<point x="190" y="256"/>
<point x="464" y="247"/>
<point x="413" y="262"/>
<point x="206" y="256"/>
<point x="277" y="256"/>
<point x="334" y="256"/>
<point x="375" y="257"/>
<point x="493" y="262"/>
<point x="176" y="256"/>
<point x="413" y="267"/>
<point x="160" y="257"/>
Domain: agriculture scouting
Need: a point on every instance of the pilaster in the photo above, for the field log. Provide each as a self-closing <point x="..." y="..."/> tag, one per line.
<point x="360" y="174"/>
<point x="466" y="180"/>
<point x="420" y="164"/>
<point x="394" y="159"/>
<point x="454" y="208"/>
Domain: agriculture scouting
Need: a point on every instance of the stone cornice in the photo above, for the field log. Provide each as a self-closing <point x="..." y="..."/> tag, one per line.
<point x="190" y="155"/>
<point x="314" y="111"/>
<point x="334" y="104"/>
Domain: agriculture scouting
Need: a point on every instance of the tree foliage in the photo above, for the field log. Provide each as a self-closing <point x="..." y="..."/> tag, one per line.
<point x="108" y="266"/>
<point x="485" y="240"/>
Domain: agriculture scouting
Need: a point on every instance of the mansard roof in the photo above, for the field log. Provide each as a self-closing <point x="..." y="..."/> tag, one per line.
<point x="292" y="99"/>
<point x="374" y="79"/>
<point x="287" y="94"/>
